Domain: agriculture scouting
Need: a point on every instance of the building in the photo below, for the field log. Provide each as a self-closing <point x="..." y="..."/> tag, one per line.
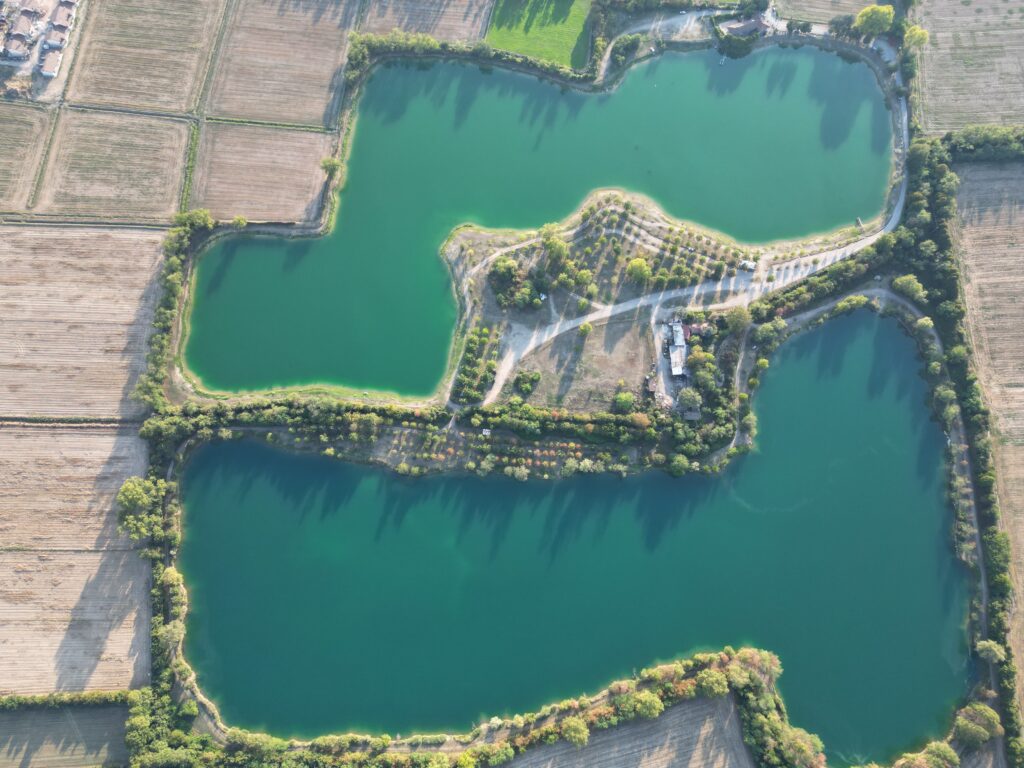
<point x="49" y="63"/>
<point x="16" y="47"/>
<point x="63" y="16"/>
<point x="744" y="27"/>
<point x="56" y="39"/>
<point x="677" y="359"/>
<point x="24" y="25"/>
<point x="678" y="334"/>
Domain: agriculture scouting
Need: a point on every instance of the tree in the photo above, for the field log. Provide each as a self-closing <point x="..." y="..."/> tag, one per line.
<point x="575" y="731"/>
<point x="991" y="651"/>
<point x="874" y="20"/>
<point x="330" y="165"/>
<point x="975" y="724"/>
<point x="911" y="287"/>
<point x="585" y="328"/>
<point x="915" y="37"/>
<point x="239" y="222"/>
<point x="841" y="26"/>
<point x="623" y="402"/>
<point x="679" y="465"/>
<point x="711" y="683"/>
<point x="689" y="398"/>
<point x="648" y="705"/>
<point x="737" y="319"/>
<point x="638" y="270"/>
<point x="140" y="507"/>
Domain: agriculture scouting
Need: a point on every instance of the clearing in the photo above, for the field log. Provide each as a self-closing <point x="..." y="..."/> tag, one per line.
<point x="583" y="373"/>
<point x="23" y="133"/>
<point x="70" y="737"/>
<point x="74" y="596"/>
<point x="75" y="310"/>
<point x="457" y="20"/>
<point x="971" y="70"/>
<point x="818" y="10"/>
<point x="145" y="54"/>
<point x="701" y="732"/>
<point x="556" y="30"/>
<point x="114" y="166"/>
<point x="283" y="62"/>
<point x="261" y="173"/>
<point x="991" y="238"/>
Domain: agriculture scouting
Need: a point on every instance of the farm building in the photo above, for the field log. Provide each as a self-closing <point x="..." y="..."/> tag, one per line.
<point x="63" y="16"/>
<point x="16" y="47"/>
<point x="56" y="39"/>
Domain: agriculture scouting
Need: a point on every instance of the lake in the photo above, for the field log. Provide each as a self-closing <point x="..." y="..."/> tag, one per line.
<point x="329" y="597"/>
<point x="779" y="144"/>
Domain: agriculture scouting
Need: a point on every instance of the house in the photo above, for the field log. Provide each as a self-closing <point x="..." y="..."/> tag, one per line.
<point x="63" y="16"/>
<point x="744" y="27"/>
<point x="49" y="63"/>
<point x="16" y="47"/>
<point x="56" y="39"/>
<point x="24" y="25"/>
<point x="32" y="9"/>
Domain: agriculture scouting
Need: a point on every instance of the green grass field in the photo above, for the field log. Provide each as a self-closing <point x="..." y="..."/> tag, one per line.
<point x="556" y="30"/>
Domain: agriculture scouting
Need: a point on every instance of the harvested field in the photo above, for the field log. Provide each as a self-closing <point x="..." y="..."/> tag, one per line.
<point x="972" y="70"/>
<point x="701" y="732"/>
<point x="75" y="312"/>
<point x="991" y="239"/>
<point x="444" y="19"/>
<point x="282" y="61"/>
<point x="817" y="10"/>
<point x="72" y="737"/>
<point x="145" y="54"/>
<point x="582" y="374"/>
<point x="263" y="174"/>
<point x="23" y="134"/>
<point x="124" y="167"/>
<point x="74" y="596"/>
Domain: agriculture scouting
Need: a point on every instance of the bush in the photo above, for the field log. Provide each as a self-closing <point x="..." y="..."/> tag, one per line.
<point x="712" y="684"/>
<point x="976" y="724"/>
<point x="575" y="731"/>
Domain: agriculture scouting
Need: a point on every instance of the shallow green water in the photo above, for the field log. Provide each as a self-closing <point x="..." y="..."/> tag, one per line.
<point x="327" y="597"/>
<point x="779" y="144"/>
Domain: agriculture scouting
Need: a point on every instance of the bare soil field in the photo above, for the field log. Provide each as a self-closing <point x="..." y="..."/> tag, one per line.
<point x="145" y="54"/>
<point x="263" y="174"/>
<point x="75" y="311"/>
<point x="73" y="737"/>
<point x="74" y="596"/>
<point x="23" y="134"/>
<point x="991" y="239"/>
<point x="58" y="485"/>
<point x="444" y="19"/>
<point x="972" y="70"/>
<point x="582" y="373"/>
<point x="282" y="61"/>
<point x="120" y="167"/>
<point x="702" y="732"/>
<point x="817" y="10"/>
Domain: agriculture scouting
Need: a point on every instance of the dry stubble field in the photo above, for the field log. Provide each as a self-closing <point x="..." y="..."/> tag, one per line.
<point x="114" y="166"/>
<point x="263" y="174"/>
<point x="444" y="19"/>
<point x="67" y="738"/>
<point x="145" y="54"/>
<point x="818" y="10"/>
<point x="74" y="602"/>
<point x="991" y="237"/>
<point x="972" y="70"/>
<point x="75" y="312"/>
<point x="702" y="733"/>
<point x="23" y="133"/>
<point x="282" y="61"/>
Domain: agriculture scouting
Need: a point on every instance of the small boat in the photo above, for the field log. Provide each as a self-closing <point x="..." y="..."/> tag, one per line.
<point x="722" y="62"/>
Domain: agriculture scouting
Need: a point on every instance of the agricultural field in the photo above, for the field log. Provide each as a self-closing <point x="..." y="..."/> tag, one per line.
<point x="114" y="166"/>
<point x="74" y="596"/>
<point x="557" y="31"/>
<point x="263" y="174"/>
<point x="75" y="312"/>
<point x="145" y="54"/>
<point x="583" y="373"/>
<point x="971" y="70"/>
<point x="818" y="10"/>
<point x="282" y="62"/>
<point x="702" y="732"/>
<point x="23" y="133"/>
<point x="445" y="20"/>
<point x="64" y="738"/>
<point x="991" y="235"/>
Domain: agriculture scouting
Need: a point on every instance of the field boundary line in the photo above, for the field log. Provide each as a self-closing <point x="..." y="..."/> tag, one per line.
<point x="214" y="58"/>
<point x="44" y="161"/>
<point x="271" y="124"/>
<point x="191" y="151"/>
<point x="156" y="115"/>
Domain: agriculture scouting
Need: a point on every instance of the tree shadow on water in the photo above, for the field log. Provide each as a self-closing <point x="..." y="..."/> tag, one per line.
<point x="840" y="105"/>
